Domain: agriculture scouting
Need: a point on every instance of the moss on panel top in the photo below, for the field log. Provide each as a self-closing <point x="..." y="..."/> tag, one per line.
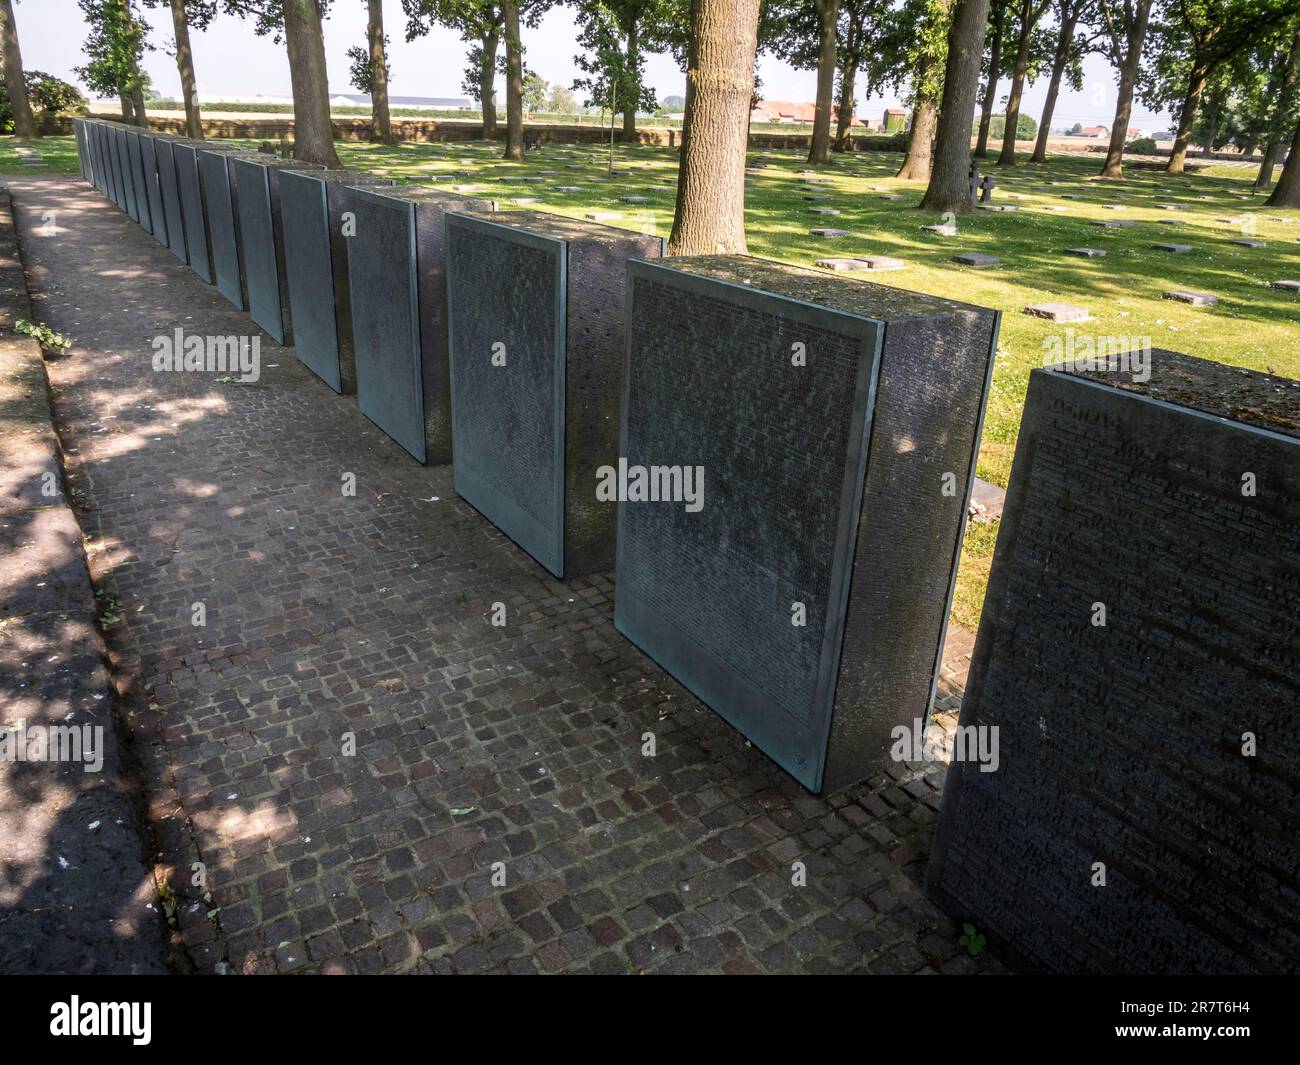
<point x="820" y="289"/>
<point x="1260" y="399"/>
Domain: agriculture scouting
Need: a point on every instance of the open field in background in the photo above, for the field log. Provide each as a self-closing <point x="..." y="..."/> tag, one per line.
<point x="1252" y="326"/>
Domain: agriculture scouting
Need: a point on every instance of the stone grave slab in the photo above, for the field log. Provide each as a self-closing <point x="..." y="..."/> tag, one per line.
<point x="397" y="280"/>
<point x="1087" y="253"/>
<point x="1287" y="286"/>
<point x="828" y="231"/>
<point x="221" y="213"/>
<point x="312" y="208"/>
<point x="1058" y="312"/>
<point x="1176" y="249"/>
<point x="1112" y="223"/>
<point x="823" y="419"/>
<point x="194" y="215"/>
<point x="1196" y="299"/>
<point x="546" y="296"/>
<point x="1160" y="744"/>
<point x="1248" y="243"/>
<point x="974" y="258"/>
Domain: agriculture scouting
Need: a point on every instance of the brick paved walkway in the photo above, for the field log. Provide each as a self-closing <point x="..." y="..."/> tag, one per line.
<point x="76" y="890"/>
<point x="329" y="615"/>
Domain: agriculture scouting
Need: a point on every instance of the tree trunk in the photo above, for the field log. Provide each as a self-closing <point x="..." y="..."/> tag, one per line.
<point x="15" y="81"/>
<point x="185" y="67"/>
<point x="1187" y="119"/>
<point x="1113" y="167"/>
<point x="313" y="134"/>
<point x="487" y="77"/>
<point x="629" y="110"/>
<point x="381" y="124"/>
<point x="137" y="101"/>
<point x="1265" y="176"/>
<point x="128" y="108"/>
<point x="710" y="214"/>
<point x="949" y="188"/>
<point x="916" y="164"/>
<point x="1027" y="20"/>
<point x="844" y="117"/>
<point x="1286" y="193"/>
<point x="1064" y="42"/>
<point x="991" y="88"/>
<point x="819" y="152"/>
<point x="514" y="83"/>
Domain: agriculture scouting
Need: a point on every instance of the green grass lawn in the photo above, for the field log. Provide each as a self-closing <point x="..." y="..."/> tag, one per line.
<point x="1252" y="326"/>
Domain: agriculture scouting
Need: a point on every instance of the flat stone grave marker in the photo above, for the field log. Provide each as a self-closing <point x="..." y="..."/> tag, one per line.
<point x="974" y="258"/>
<point x="708" y="594"/>
<point x="943" y="230"/>
<point x="824" y="231"/>
<point x="1172" y="794"/>
<point x="635" y="199"/>
<point x="568" y="188"/>
<point x="397" y="273"/>
<point x="1110" y="224"/>
<point x="823" y="210"/>
<point x="536" y="308"/>
<point x="1287" y="286"/>
<point x="1058" y="312"/>
<point x="1248" y="243"/>
<point x="1196" y="299"/>
<point x="1087" y="253"/>
<point x="525" y="200"/>
<point x="1176" y="249"/>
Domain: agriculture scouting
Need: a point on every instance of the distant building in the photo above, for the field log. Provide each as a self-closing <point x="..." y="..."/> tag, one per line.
<point x="440" y="103"/>
<point x="788" y="113"/>
<point x="1093" y="132"/>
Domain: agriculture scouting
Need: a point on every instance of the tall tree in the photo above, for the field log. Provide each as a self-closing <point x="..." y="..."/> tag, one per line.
<point x="1028" y="14"/>
<point x="1189" y="44"/>
<point x="1279" y="106"/>
<point x="613" y="33"/>
<point x="819" y="151"/>
<point x="15" y="78"/>
<point x="710" y="214"/>
<point x="298" y="24"/>
<point x="117" y="42"/>
<point x="949" y="188"/>
<point x="1126" y="24"/>
<point x="997" y="29"/>
<point x="1066" y="61"/>
<point x="370" y="72"/>
<point x="186" y="14"/>
<point x="930" y="49"/>
<point x="481" y="24"/>
<point x="871" y="51"/>
<point x="514" y="81"/>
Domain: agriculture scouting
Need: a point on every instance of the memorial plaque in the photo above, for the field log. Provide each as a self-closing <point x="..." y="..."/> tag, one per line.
<point x="397" y="275"/>
<point x="169" y="190"/>
<point x="95" y="135"/>
<point x="312" y="205"/>
<point x="141" y="193"/>
<point x="536" y="316"/>
<point x="256" y="182"/>
<point x="122" y="171"/>
<point x="1139" y="657"/>
<point x="834" y="425"/>
<point x="83" y="150"/>
<point x="149" y="160"/>
<point x="221" y="212"/>
<point x="194" y="216"/>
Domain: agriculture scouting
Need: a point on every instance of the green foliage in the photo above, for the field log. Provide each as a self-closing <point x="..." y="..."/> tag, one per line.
<point x="1141" y="146"/>
<point x="117" y="43"/>
<point x="46" y="93"/>
<point x="614" y="60"/>
<point x="361" y="71"/>
<point x="973" y="941"/>
<point x="44" y="335"/>
<point x="535" y="88"/>
<point x="1026" y="127"/>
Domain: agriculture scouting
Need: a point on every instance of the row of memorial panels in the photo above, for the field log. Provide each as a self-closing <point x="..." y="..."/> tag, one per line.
<point x="838" y="423"/>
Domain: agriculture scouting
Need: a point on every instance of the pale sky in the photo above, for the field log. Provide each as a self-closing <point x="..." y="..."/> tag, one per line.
<point x="230" y="60"/>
